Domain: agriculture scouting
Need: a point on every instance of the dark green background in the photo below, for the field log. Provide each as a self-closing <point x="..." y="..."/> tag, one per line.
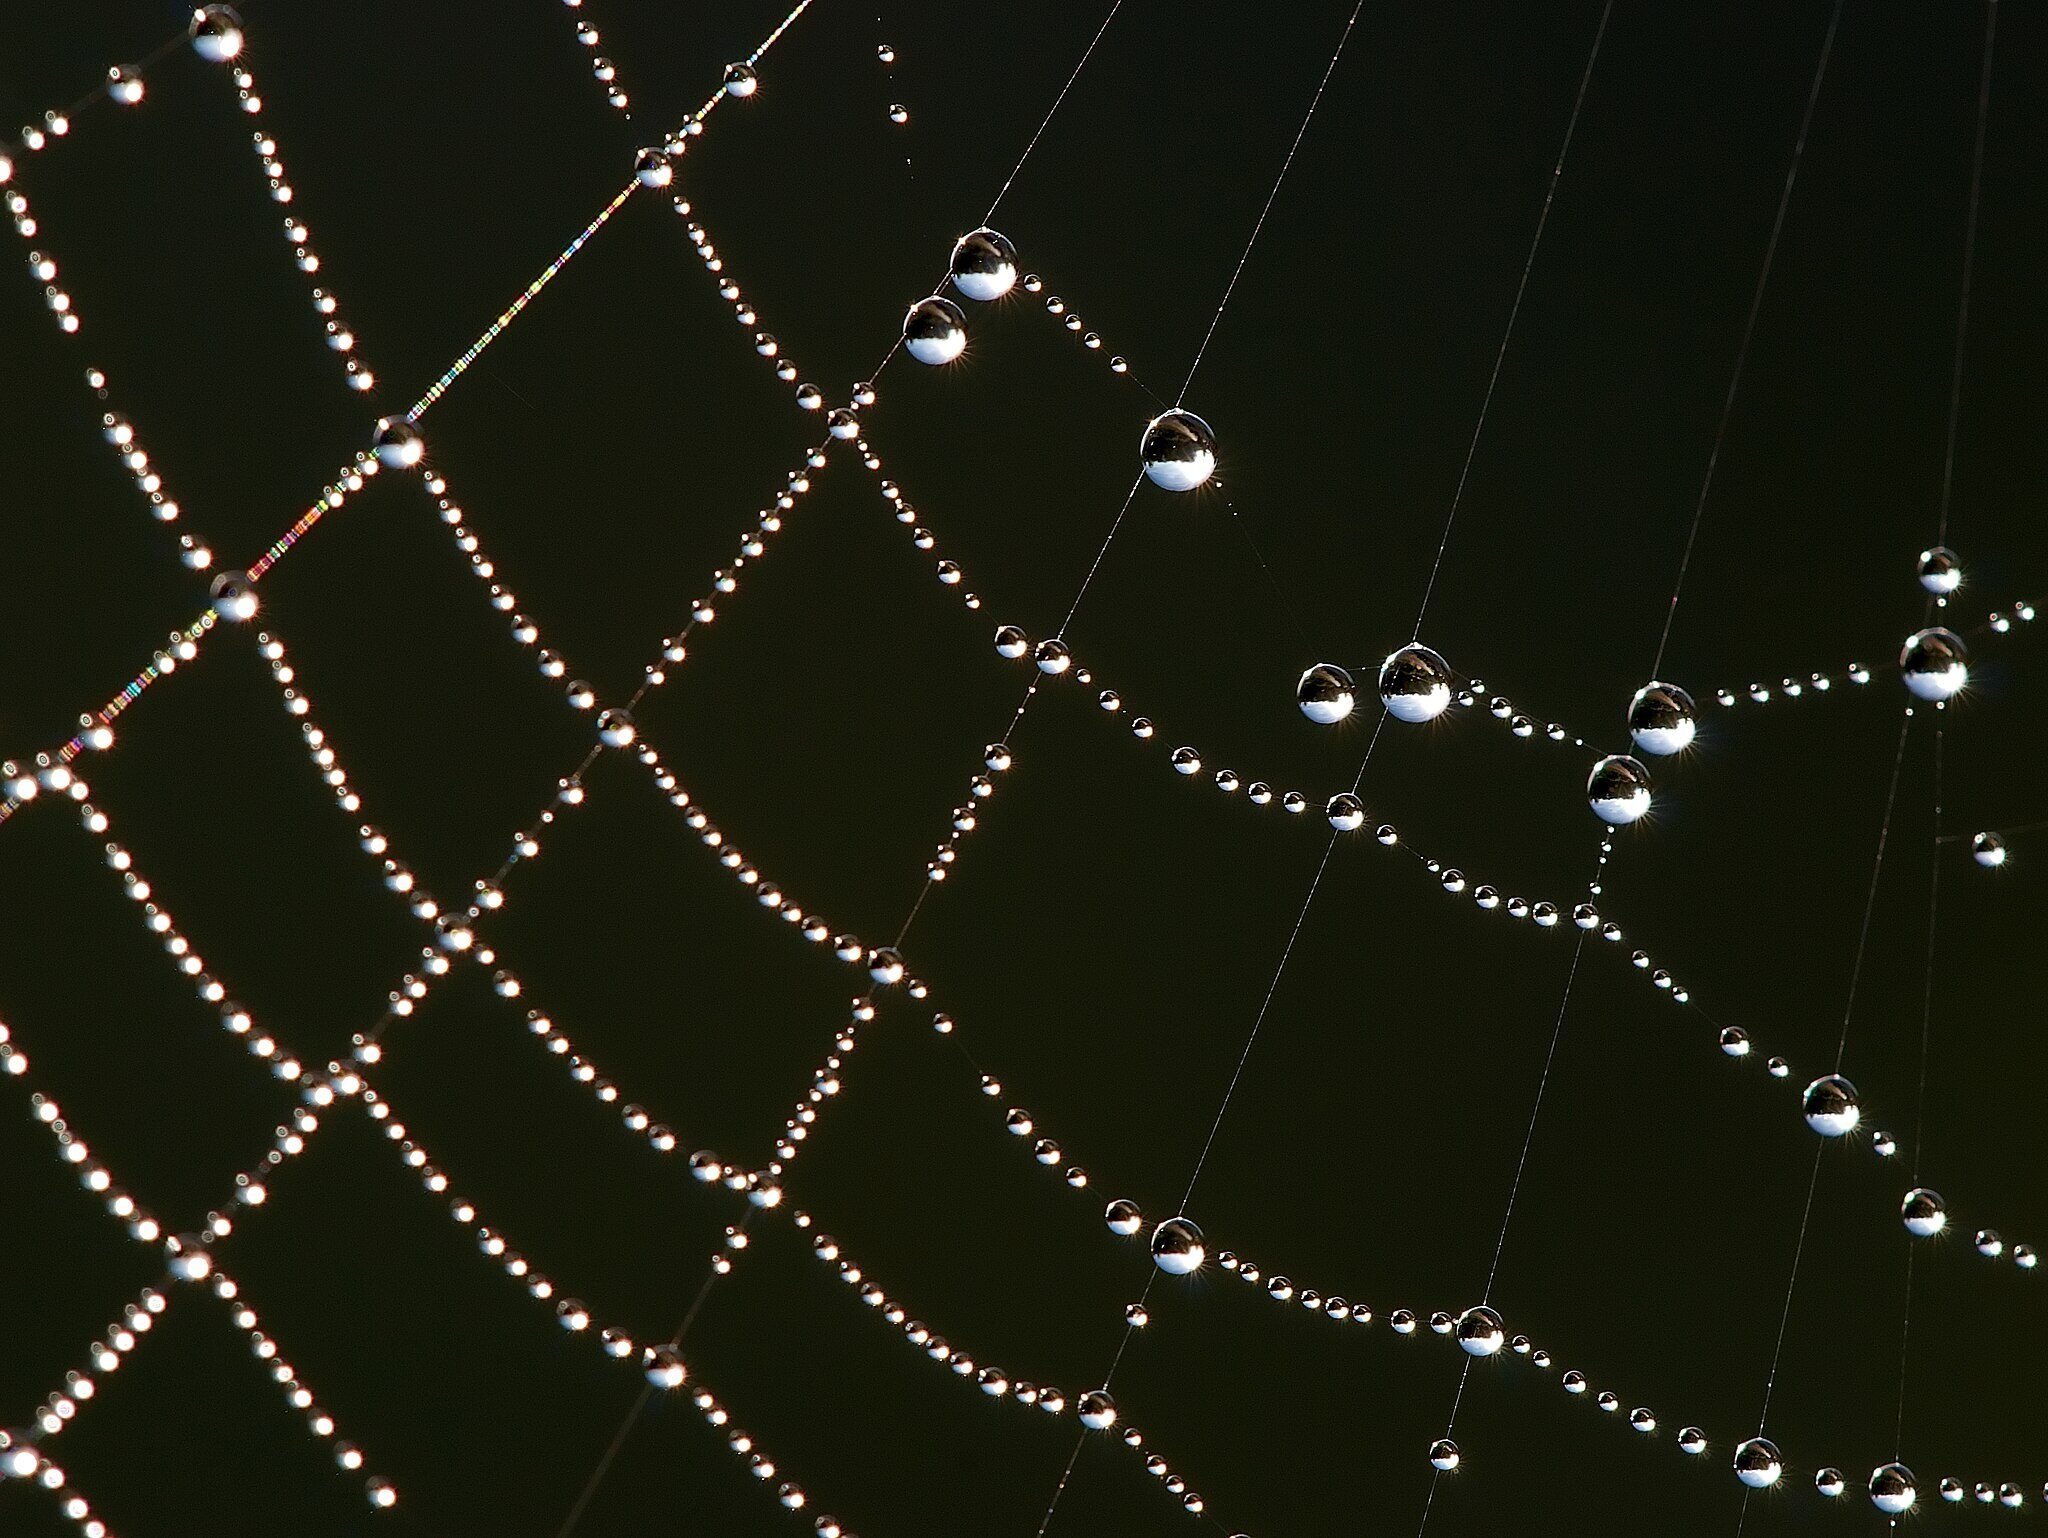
<point x="1110" y="931"/>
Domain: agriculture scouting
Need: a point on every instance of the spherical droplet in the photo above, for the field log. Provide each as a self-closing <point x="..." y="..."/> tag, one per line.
<point x="1052" y="657"/>
<point x="1924" y="1213"/>
<point x="1757" y="1463"/>
<point x="1011" y="642"/>
<point x="1618" y="790"/>
<point x="1178" y="449"/>
<point x="19" y="1458"/>
<point x="665" y="1367"/>
<point x="1934" y="664"/>
<point x="1097" y="1409"/>
<point x="1443" y="1455"/>
<point x="1892" y="1488"/>
<point x="1735" y="1041"/>
<point x="398" y="443"/>
<point x="1940" y="572"/>
<point x="615" y="728"/>
<point x="935" y="331"/>
<point x="124" y="85"/>
<point x="1692" y="1440"/>
<point x="984" y="265"/>
<point x="216" y="33"/>
<point x="1415" y="684"/>
<point x="1988" y="850"/>
<point x="190" y="1261"/>
<point x="1123" y="1217"/>
<point x="1346" y="812"/>
<point x="885" y="965"/>
<point x="1830" y="1106"/>
<point x="842" y="423"/>
<point x="1660" y="719"/>
<point x="651" y="169"/>
<point x="1177" y="1247"/>
<point x="234" y="596"/>
<point x="1480" y="1331"/>
<point x="1324" y="694"/>
<point x="740" y="80"/>
<point x="1829" y="1482"/>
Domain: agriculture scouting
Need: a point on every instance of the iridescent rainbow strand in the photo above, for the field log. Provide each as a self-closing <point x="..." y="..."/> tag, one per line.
<point x="781" y="27"/>
<point x="291" y="536"/>
<point x="130" y="692"/>
<point x="455" y="369"/>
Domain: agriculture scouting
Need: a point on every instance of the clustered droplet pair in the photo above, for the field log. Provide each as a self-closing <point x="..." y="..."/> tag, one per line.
<point x="983" y="268"/>
<point x="1414" y="686"/>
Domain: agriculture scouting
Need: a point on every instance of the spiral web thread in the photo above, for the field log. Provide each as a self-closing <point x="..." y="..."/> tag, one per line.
<point x="191" y="1253"/>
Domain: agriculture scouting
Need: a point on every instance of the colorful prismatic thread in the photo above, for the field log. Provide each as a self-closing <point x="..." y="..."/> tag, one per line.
<point x="455" y="369"/>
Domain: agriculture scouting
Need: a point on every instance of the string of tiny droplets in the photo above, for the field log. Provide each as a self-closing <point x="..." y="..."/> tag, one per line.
<point x="664" y="1364"/>
<point x="570" y="1314"/>
<point x="1054" y="658"/>
<point x="189" y="1259"/>
<point x="1734" y="1041"/>
<point x="1017" y="1121"/>
<point x="240" y="605"/>
<point x="216" y="34"/>
<point x="221" y="33"/>
<point x="602" y="69"/>
<point x="580" y="696"/>
<point x="883" y="967"/>
<point x="1922" y="1210"/>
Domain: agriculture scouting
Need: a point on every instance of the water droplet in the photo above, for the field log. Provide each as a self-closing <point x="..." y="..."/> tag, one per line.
<point x="984" y="265"/>
<point x="1097" y="1409"/>
<point x="1618" y="790"/>
<point x="1480" y="1331"/>
<point x="1177" y="1247"/>
<point x="234" y="596"/>
<point x="1415" y="684"/>
<point x="1052" y="657"/>
<point x="398" y="443"/>
<point x="664" y="1366"/>
<point x="1660" y="719"/>
<point x="1757" y="1463"/>
<point x="1923" y="1212"/>
<point x="216" y="33"/>
<point x="1892" y="1488"/>
<point x="1940" y="572"/>
<point x="1324" y="694"/>
<point x="1346" y="812"/>
<point x="1178" y="449"/>
<point x="651" y="168"/>
<point x="1934" y="664"/>
<point x="935" y="331"/>
<point x="1831" y="1107"/>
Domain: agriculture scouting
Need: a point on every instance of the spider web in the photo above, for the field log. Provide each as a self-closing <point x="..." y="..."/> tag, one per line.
<point x="341" y="1090"/>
